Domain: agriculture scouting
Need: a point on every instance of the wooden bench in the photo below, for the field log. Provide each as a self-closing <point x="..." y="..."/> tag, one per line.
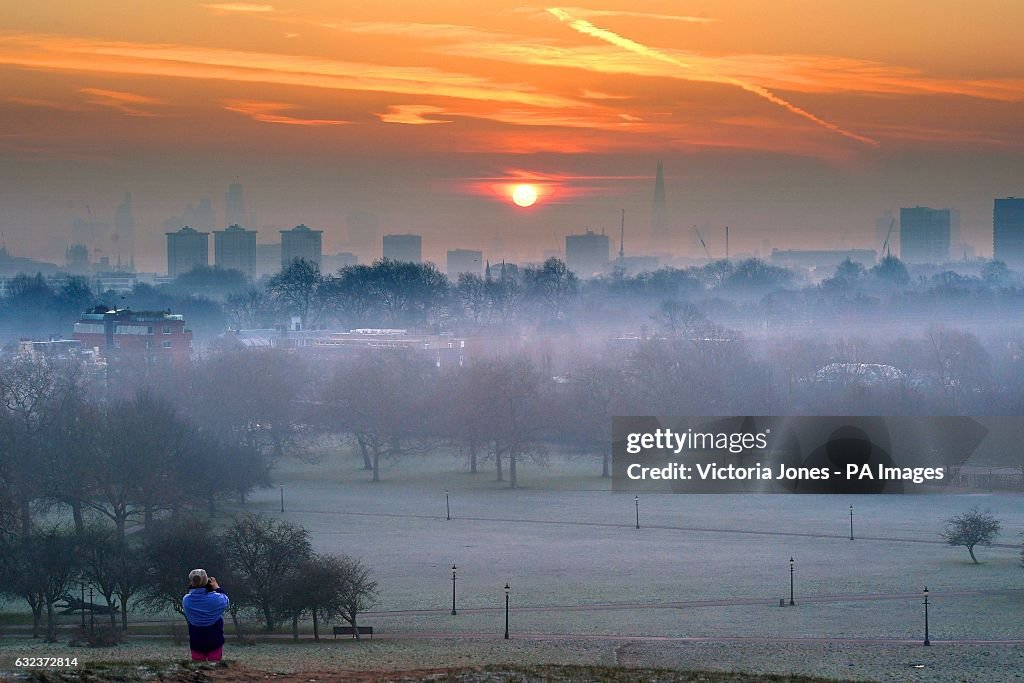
<point x="349" y="631"/>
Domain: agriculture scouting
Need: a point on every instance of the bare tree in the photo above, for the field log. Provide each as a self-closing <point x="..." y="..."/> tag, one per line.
<point x="356" y="593"/>
<point x="381" y="398"/>
<point x="552" y="286"/>
<point x="970" y="529"/>
<point x="265" y="554"/>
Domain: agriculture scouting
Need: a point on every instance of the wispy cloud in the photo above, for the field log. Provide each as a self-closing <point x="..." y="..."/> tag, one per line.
<point x="584" y="12"/>
<point x="45" y="103"/>
<point x="271" y="112"/>
<point x="125" y="102"/>
<point x="585" y="27"/>
<point x="108" y="57"/>
<point x="412" y="114"/>
<point x="242" y="7"/>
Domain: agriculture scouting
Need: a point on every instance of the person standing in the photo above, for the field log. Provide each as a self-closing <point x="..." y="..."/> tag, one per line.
<point x="204" y="606"/>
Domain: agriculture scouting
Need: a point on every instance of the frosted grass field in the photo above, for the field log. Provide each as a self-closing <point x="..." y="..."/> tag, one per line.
<point x="588" y="587"/>
<point x="564" y="539"/>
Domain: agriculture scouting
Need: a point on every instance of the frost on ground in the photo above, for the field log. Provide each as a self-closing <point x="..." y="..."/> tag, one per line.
<point x="584" y="579"/>
<point x="379" y="660"/>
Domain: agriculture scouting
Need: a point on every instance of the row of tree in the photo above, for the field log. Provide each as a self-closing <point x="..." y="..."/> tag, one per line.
<point x="399" y="294"/>
<point x="267" y="566"/>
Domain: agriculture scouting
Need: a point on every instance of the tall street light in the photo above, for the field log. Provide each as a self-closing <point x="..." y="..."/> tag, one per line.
<point x="83" y="604"/>
<point x="507" y="589"/>
<point x="926" y="640"/>
<point x="453" y="589"/>
<point x="791" y="582"/>
<point x="636" y="500"/>
<point x="851" y="522"/>
<point x="447" y="506"/>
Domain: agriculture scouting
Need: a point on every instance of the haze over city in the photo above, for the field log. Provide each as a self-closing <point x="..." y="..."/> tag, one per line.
<point x="797" y="126"/>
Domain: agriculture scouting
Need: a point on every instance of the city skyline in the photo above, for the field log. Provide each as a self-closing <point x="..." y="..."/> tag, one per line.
<point x="425" y="117"/>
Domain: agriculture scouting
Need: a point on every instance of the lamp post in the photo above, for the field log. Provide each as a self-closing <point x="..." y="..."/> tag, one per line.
<point x="453" y="589"/>
<point x="83" y="604"/>
<point x="636" y="500"/>
<point x="926" y="639"/>
<point x="282" y="498"/>
<point x="507" y="589"/>
<point x="447" y="506"/>
<point x="791" y="582"/>
<point x="92" y="613"/>
<point x="851" y="522"/>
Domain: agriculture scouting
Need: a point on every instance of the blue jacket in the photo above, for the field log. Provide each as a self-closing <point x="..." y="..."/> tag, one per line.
<point x="203" y="611"/>
<point x="203" y="607"/>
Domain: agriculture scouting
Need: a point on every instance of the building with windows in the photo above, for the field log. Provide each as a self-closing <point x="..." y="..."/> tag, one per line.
<point x="403" y="248"/>
<point x="587" y="254"/>
<point x="235" y="249"/>
<point x="924" y="235"/>
<point x="151" y="336"/>
<point x="301" y="243"/>
<point x="186" y="249"/>
<point x="1008" y="231"/>
<point x="464" y="261"/>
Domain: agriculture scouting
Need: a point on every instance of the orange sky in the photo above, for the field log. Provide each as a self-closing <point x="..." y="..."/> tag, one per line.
<point x="819" y="114"/>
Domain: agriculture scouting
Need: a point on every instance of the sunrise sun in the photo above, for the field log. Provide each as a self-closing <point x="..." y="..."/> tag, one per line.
<point x="524" y="195"/>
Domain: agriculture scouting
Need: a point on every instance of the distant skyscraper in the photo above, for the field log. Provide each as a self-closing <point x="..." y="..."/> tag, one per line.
<point x="186" y="249"/>
<point x="332" y="262"/>
<point x="124" y="229"/>
<point x="235" y="249"/>
<point x="661" y="239"/>
<point x="404" y="248"/>
<point x="587" y="254"/>
<point x="924" y="235"/>
<point x="234" y="206"/>
<point x="1008" y="231"/>
<point x="464" y="261"/>
<point x="268" y="259"/>
<point x="301" y="243"/>
<point x="363" y="234"/>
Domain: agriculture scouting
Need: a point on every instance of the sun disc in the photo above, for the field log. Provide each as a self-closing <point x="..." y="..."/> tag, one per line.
<point x="524" y="195"/>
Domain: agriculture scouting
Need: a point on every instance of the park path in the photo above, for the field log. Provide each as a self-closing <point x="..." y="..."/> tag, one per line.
<point x="476" y="635"/>
<point x="611" y="525"/>
<point x="691" y="604"/>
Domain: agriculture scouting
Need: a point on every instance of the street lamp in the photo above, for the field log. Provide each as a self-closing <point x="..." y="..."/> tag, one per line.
<point x="926" y="640"/>
<point x="636" y="500"/>
<point x="791" y="582"/>
<point x="282" y="498"/>
<point x="453" y="589"/>
<point x="92" y="613"/>
<point x="83" y="603"/>
<point x="851" y="522"/>
<point x="507" y="589"/>
<point x="447" y="506"/>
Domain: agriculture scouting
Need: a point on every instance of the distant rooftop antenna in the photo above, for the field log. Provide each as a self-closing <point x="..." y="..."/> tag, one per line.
<point x="622" y="236"/>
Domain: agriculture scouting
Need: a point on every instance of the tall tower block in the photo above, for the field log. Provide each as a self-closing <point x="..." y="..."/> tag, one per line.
<point x="660" y="237"/>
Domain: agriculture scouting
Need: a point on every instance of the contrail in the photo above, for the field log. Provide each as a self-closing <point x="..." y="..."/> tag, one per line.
<point x="585" y="27"/>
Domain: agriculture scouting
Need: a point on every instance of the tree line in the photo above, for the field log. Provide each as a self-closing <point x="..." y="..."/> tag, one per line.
<point x="390" y="293"/>
<point x="267" y="566"/>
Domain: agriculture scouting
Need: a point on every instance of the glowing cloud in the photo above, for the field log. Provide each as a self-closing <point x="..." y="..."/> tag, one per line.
<point x="124" y="102"/>
<point x="411" y="114"/>
<point x="269" y="112"/>
<point x="585" y="27"/>
<point x="240" y="7"/>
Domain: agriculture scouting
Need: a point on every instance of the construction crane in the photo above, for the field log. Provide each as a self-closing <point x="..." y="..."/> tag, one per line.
<point x="885" y="245"/>
<point x="703" y="243"/>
